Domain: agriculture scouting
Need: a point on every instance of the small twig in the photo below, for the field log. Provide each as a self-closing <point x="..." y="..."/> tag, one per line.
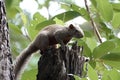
<point x="93" y="23"/>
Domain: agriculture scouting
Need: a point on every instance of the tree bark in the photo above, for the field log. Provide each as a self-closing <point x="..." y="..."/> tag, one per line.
<point x="56" y="64"/>
<point x="6" y="69"/>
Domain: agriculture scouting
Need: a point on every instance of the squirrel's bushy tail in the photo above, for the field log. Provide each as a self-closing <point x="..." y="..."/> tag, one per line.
<point x="22" y="59"/>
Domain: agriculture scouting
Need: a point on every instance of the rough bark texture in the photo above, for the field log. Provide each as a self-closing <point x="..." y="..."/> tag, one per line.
<point x="57" y="64"/>
<point x="6" y="69"/>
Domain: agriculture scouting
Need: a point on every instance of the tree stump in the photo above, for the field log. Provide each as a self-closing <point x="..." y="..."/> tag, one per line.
<point x="56" y="64"/>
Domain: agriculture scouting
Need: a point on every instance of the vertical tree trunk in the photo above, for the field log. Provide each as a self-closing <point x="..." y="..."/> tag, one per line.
<point x="6" y="69"/>
<point x="56" y="64"/>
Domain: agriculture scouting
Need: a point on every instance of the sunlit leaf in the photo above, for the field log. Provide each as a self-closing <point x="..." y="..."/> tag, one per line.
<point x="29" y="75"/>
<point x="32" y="32"/>
<point x="116" y="50"/>
<point x="106" y="75"/>
<point x="105" y="9"/>
<point x="92" y="73"/>
<point x="57" y="21"/>
<point x="92" y="63"/>
<point x="38" y="18"/>
<point x="17" y="39"/>
<point x="116" y="20"/>
<point x="111" y="57"/>
<point x="94" y="2"/>
<point x="12" y="7"/>
<point x="114" y="64"/>
<point x="92" y="43"/>
<point x="77" y="77"/>
<point x="83" y="79"/>
<point x="114" y="74"/>
<point x="24" y="18"/>
<point x="103" y="49"/>
<point x="80" y="10"/>
<point x="44" y="23"/>
<point x="65" y="6"/>
<point x="116" y="6"/>
<point x="66" y="1"/>
<point x="111" y="75"/>
<point x="67" y="15"/>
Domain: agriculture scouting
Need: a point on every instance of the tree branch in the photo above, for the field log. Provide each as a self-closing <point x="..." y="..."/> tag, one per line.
<point x="93" y="23"/>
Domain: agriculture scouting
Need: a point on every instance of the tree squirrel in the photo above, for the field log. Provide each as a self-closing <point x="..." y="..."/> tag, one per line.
<point x="48" y="36"/>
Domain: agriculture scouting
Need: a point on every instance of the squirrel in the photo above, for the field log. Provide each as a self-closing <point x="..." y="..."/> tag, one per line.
<point x="48" y="36"/>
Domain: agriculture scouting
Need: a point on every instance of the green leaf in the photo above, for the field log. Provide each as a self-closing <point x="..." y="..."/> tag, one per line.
<point x="32" y="32"/>
<point x="106" y="75"/>
<point x="57" y="21"/>
<point x="31" y="70"/>
<point x="12" y="12"/>
<point x="83" y="79"/>
<point x="116" y="20"/>
<point x="111" y="57"/>
<point x="114" y="64"/>
<point x="43" y="24"/>
<point x="114" y="74"/>
<point x="116" y="41"/>
<point x="24" y="18"/>
<point x="116" y="50"/>
<point x="92" y="43"/>
<point x="105" y="28"/>
<point x="92" y="73"/>
<point x="65" y="6"/>
<point x="18" y="40"/>
<point x="67" y="15"/>
<point x="12" y="7"/>
<point x="14" y="28"/>
<point x="8" y="3"/>
<point x="116" y="6"/>
<point x="66" y="1"/>
<point x="111" y="75"/>
<point x="88" y="34"/>
<point x="38" y="18"/>
<point x="77" y="77"/>
<point x="105" y="9"/>
<point x="81" y="11"/>
<point x="103" y="49"/>
<point x="92" y="63"/>
<point x="94" y="2"/>
<point x="29" y="75"/>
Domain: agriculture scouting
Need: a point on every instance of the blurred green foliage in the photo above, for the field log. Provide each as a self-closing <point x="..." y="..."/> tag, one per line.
<point x="104" y="57"/>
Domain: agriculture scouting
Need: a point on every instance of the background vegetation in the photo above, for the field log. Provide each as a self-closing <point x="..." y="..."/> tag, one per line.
<point x="104" y="57"/>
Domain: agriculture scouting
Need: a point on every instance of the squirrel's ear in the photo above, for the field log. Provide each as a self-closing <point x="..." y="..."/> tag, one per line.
<point x="71" y="26"/>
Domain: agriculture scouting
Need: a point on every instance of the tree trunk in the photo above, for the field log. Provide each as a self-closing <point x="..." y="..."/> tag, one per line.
<point x="56" y="64"/>
<point x="6" y="69"/>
